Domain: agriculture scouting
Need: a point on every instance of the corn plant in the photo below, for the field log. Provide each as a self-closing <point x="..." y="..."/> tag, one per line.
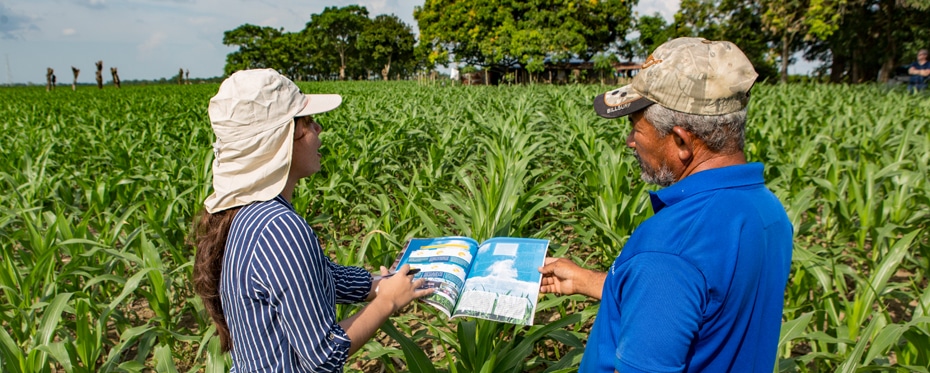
<point x="102" y="187"/>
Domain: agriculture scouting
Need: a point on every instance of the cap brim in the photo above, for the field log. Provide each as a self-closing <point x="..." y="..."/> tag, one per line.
<point x="320" y="104"/>
<point x="620" y="102"/>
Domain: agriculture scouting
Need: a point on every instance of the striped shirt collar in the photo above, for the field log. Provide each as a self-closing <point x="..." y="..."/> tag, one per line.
<point x="284" y="202"/>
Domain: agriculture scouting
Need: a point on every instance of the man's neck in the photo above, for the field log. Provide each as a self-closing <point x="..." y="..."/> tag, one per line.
<point x="714" y="160"/>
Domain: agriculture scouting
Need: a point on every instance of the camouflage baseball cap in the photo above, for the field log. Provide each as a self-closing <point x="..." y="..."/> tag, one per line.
<point x="690" y="75"/>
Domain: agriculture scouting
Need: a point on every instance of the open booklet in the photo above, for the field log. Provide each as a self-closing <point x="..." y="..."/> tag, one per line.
<point x="497" y="279"/>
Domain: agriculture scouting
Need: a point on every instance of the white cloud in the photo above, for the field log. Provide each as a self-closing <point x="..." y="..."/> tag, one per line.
<point x="68" y="32"/>
<point x="503" y="269"/>
<point x="154" y="41"/>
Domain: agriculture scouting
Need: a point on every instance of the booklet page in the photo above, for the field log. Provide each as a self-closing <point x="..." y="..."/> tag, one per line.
<point x="444" y="263"/>
<point x="503" y="284"/>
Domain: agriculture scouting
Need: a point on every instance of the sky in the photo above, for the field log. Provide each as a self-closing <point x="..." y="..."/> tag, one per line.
<point x="153" y="39"/>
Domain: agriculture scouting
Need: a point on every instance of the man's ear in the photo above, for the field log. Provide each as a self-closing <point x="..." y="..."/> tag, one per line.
<point x="685" y="141"/>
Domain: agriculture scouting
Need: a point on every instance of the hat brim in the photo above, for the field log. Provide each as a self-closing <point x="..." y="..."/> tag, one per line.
<point x="620" y="102"/>
<point x="321" y="103"/>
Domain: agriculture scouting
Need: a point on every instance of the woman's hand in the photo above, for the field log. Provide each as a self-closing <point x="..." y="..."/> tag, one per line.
<point x="391" y="294"/>
<point x="399" y="289"/>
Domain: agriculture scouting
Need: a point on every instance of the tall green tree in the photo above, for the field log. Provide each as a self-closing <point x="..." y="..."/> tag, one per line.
<point x="256" y="44"/>
<point x="860" y="40"/>
<point x="337" y="29"/>
<point x="653" y="31"/>
<point x="266" y="47"/>
<point x="873" y="38"/>
<point x="503" y="33"/>
<point x="738" y="21"/>
<point x="387" y="40"/>
<point x="794" y="20"/>
<point x="699" y="18"/>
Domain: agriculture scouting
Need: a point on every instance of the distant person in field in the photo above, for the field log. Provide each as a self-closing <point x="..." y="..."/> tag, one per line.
<point x="259" y="267"/>
<point x="699" y="286"/>
<point x="919" y="71"/>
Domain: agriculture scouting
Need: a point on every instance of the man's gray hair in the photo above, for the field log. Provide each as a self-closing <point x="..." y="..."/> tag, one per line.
<point x="725" y="132"/>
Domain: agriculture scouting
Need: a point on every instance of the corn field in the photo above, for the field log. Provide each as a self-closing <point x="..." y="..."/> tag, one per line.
<point x="101" y="186"/>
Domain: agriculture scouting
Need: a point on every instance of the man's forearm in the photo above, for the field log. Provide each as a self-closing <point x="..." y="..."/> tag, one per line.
<point x="593" y="284"/>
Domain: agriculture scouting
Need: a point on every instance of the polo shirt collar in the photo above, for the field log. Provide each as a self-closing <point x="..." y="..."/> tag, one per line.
<point x="717" y="178"/>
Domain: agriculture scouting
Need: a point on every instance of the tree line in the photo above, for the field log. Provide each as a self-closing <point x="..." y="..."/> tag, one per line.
<point x="853" y="40"/>
<point x="337" y="43"/>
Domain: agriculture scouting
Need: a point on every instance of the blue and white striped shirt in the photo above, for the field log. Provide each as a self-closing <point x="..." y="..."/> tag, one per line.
<point x="279" y="293"/>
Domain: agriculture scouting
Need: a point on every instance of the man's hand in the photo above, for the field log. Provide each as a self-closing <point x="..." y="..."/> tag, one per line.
<point x="562" y="276"/>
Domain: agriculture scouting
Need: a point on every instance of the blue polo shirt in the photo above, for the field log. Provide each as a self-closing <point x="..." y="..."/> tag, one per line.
<point x="699" y="286"/>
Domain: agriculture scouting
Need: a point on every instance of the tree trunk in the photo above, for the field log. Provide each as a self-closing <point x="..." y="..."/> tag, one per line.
<point x="75" y="71"/>
<point x="891" y="48"/>
<point x="99" y="75"/>
<point x="342" y="65"/>
<point x="855" y="68"/>
<point x="837" y="68"/>
<point x="887" y="67"/>
<point x="785" y="56"/>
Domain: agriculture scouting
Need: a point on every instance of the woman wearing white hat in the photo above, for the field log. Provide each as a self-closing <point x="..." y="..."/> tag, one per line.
<point x="259" y="268"/>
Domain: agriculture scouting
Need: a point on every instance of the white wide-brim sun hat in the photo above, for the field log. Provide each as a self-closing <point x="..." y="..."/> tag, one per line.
<point x="252" y="116"/>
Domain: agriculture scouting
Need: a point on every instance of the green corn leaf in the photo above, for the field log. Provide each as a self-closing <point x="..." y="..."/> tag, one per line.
<point x="11" y="356"/>
<point x="512" y="361"/>
<point x="416" y="359"/>
<point x="59" y="354"/>
<point x="793" y="329"/>
<point x="164" y="362"/>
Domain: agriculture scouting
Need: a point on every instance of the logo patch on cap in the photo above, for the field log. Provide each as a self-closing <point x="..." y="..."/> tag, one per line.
<point x="651" y="61"/>
<point x="619" y="97"/>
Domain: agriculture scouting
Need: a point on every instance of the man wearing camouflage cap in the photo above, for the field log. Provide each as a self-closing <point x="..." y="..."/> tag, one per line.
<point x="699" y="286"/>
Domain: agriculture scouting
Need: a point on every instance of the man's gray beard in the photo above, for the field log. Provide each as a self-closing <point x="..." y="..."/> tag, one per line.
<point x="662" y="177"/>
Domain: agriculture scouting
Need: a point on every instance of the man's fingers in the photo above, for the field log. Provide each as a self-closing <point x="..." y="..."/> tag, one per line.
<point x="551" y="290"/>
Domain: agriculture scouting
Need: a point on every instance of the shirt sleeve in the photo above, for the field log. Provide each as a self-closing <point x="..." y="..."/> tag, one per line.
<point x="298" y="279"/>
<point x="661" y="306"/>
<point x="352" y="283"/>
